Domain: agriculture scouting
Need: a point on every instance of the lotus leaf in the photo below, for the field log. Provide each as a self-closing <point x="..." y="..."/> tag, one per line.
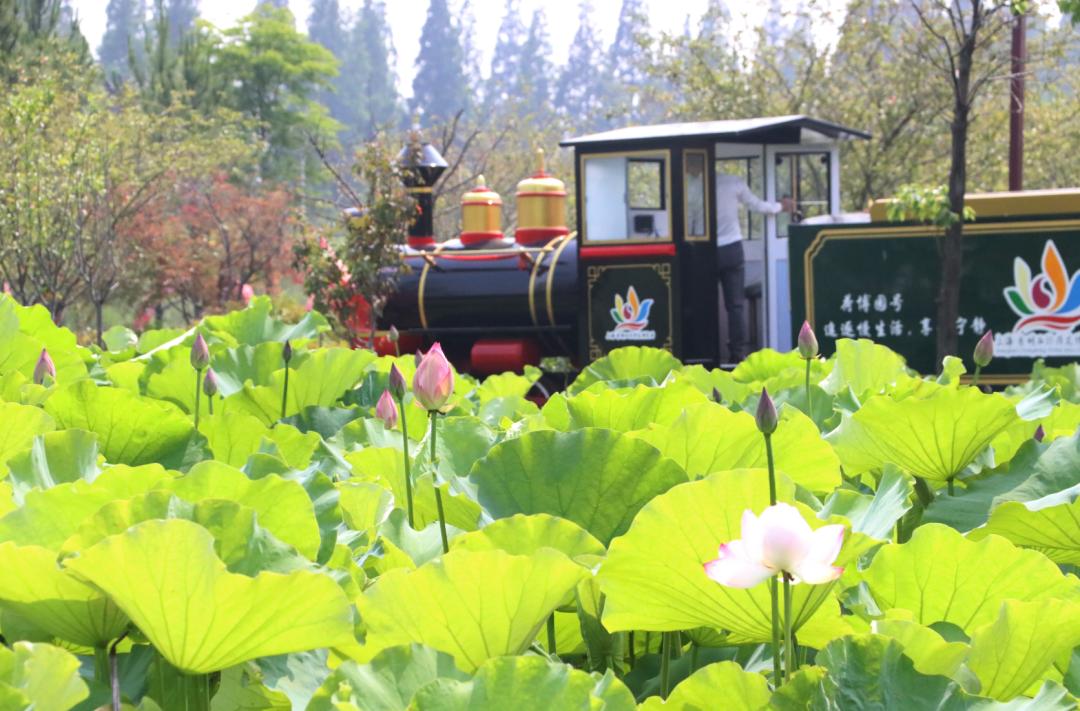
<point x="165" y="576"/>
<point x="722" y="685"/>
<point x="864" y="368"/>
<point x="54" y="458"/>
<point x="641" y="364"/>
<point x="474" y="605"/>
<point x="633" y="410"/>
<point x="22" y="423"/>
<point x="523" y="535"/>
<point x="39" y="676"/>
<point x="1049" y="527"/>
<point x="596" y="478"/>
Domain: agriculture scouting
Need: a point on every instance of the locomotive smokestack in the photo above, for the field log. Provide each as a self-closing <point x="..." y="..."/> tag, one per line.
<point x="422" y="165"/>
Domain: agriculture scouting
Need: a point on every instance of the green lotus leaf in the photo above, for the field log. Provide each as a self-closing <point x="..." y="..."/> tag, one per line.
<point x="526" y="684"/>
<point x="239" y="690"/>
<point x="631" y="410"/>
<point x="47" y="518"/>
<point x="283" y="507"/>
<point x="872" y="672"/>
<point x="875" y="516"/>
<point x="523" y="535"/>
<point x="865" y="368"/>
<point x="251" y="364"/>
<point x="940" y="576"/>
<point x="385" y="466"/>
<point x="22" y="423"/>
<point x="25" y="330"/>
<point x="241" y="543"/>
<point x="255" y="324"/>
<point x="35" y="587"/>
<point x="7" y="499"/>
<point x="473" y="605"/>
<point x="460" y="441"/>
<point x="171" y="378"/>
<point x="131" y="429"/>
<point x="39" y="676"/>
<point x="1052" y="529"/>
<point x="502" y="411"/>
<point x="710" y="438"/>
<point x="596" y="478"/>
<point x="508" y="385"/>
<point x="364" y="506"/>
<point x="200" y="617"/>
<point x="710" y="381"/>
<point x="1063" y="421"/>
<point x="324" y="421"/>
<point x="234" y="436"/>
<point x="934" y="438"/>
<point x="654" y="580"/>
<point x="388" y="682"/>
<point x="54" y="458"/>
<point x="633" y="363"/>
<point x="928" y="650"/>
<point x="721" y="685"/>
<point x="319" y="380"/>
<point x="1014" y="651"/>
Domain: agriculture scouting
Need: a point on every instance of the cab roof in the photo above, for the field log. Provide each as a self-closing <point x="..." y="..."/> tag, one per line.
<point x="796" y="129"/>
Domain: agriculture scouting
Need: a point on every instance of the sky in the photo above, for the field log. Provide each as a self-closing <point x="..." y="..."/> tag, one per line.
<point x="406" y="18"/>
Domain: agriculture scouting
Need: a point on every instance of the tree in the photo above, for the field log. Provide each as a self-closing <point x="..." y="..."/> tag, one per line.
<point x="962" y="34"/>
<point x="504" y="80"/>
<point x="123" y="34"/>
<point x="535" y="68"/>
<point x="326" y="27"/>
<point x="182" y="15"/>
<point x="38" y="32"/>
<point x="582" y="87"/>
<point x="624" y="61"/>
<point x="440" y="89"/>
<point x="375" y="39"/>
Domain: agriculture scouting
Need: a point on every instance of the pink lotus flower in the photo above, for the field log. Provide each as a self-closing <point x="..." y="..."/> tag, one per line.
<point x="984" y="350"/>
<point x="779" y="541"/>
<point x="310" y="303"/>
<point x="247" y="293"/>
<point x="807" y="342"/>
<point x="434" y="380"/>
<point x="44" y="367"/>
<point x="386" y="410"/>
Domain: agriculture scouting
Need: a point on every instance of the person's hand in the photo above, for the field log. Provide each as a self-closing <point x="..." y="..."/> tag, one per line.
<point x="787" y="204"/>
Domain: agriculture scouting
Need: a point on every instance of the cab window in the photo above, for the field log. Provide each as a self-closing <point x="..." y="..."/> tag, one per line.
<point x="626" y="197"/>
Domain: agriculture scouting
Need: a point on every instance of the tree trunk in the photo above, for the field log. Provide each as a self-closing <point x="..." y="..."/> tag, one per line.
<point x="99" y="320"/>
<point x="952" y="247"/>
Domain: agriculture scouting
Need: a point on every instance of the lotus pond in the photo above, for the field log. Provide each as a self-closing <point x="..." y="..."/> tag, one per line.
<point x="263" y="558"/>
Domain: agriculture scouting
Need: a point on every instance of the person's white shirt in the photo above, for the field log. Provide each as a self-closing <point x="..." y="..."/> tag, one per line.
<point x="731" y="192"/>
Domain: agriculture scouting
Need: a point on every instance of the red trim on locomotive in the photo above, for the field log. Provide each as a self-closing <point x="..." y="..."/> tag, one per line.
<point x="630" y="250"/>
<point x="538" y="235"/>
<point x="496" y="355"/>
<point x="473" y="238"/>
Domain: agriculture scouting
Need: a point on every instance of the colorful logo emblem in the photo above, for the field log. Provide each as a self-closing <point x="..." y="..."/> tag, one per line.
<point x="631" y="318"/>
<point x="1050" y="301"/>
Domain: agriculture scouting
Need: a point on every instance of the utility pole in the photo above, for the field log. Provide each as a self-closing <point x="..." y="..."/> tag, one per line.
<point x="1016" y="102"/>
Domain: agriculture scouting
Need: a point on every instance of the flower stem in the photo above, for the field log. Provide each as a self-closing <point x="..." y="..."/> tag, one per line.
<point x="198" y="392"/>
<point x="975" y="378"/>
<point x="809" y="402"/>
<point x="630" y="647"/>
<point x="408" y="465"/>
<point x="774" y="594"/>
<point x="952" y="491"/>
<point x="114" y="672"/>
<point x="210" y="403"/>
<point x="789" y="647"/>
<point x="285" y="392"/>
<point x="435" y="482"/>
<point x="665" y="663"/>
<point x="551" y="634"/>
<point x="772" y="470"/>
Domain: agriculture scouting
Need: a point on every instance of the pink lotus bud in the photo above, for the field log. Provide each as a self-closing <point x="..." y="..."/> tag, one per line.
<point x="984" y="350"/>
<point x="397" y="382"/>
<point x="386" y="410"/>
<point x="434" y="380"/>
<point x="393" y="334"/>
<point x="247" y="293"/>
<point x="1040" y="434"/>
<point x="808" y="345"/>
<point x="310" y="303"/>
<point x="766" y="417"/>
<point x="286" y="352"/>
<point x="780" y="541"/>
<point x="44" y="367"/>
<point x="200" y="353"/>
<point x="209" y="383"/>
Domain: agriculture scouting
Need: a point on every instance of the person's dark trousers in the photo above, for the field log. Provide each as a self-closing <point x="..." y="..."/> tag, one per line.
<point x="730" y="266"/>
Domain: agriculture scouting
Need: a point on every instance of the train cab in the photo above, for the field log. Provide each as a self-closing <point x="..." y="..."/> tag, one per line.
<point x="646" y="215"/>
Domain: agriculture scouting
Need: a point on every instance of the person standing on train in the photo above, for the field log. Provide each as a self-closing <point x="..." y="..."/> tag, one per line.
<point x="732" y="192"/>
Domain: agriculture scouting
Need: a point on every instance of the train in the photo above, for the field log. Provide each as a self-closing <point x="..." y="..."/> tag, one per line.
<point x="641" y="267"/>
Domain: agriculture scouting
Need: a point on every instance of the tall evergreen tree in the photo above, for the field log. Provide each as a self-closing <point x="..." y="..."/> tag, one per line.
<point x="182" y="15"/>
<point x="625" y="64"/>
<point x="715" y="22"/>
<point x="123" y="33"/>
<point x="326" y="27"/>
<point x="376" y="40"/>
<point x="581" y="87"/>
<point x="535" y="69"/>
<point x="504" y="80"/>
<point x="440" y="88"/>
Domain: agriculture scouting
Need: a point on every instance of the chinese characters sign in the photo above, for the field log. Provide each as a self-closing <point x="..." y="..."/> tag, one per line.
<point x="881" y="282"/>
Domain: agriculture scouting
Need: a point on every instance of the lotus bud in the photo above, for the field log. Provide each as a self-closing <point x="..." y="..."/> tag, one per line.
<point x="984" y="350"/>
<point x="200" y="353"/>
<point x="209" y="383"/>
<point x="808" y="345"/>
<point x="393" y="334"/>
<point x="44" y="367"/>
<point x="397" y="382"/>
<point x="434" y="380"/>
<point x="386" y="410"/>
<point x="766" y="417"/>
<point x="1040" y="434"/>
<point x="286" y="352"/>
<point x="310" y="303"/>
<point x="247" y="293"/>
